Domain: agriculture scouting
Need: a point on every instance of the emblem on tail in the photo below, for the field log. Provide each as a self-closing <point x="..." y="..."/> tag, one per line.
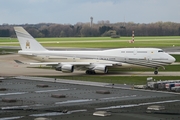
<point x="27" y="44"/>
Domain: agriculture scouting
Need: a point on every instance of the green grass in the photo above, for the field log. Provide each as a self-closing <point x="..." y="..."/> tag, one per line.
<point x="7" y="39"/>
<point x="130" y="80"/>
<point x="101" y="42"/>
<point x="167" y="68"/>
<point x="7" y="51"/>
<point x="177" y="57"/>
<point x="158" y="44"/>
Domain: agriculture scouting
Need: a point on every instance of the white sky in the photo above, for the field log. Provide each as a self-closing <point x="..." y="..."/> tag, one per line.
<point x="73" y="11"/>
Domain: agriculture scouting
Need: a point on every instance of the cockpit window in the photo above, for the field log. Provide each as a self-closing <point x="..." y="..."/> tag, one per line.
<point x="160" y="51"/>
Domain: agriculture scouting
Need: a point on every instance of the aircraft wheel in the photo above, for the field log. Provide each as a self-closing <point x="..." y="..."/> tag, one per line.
<point x="156" y="72"/>
<point x="93" y="72"/>
<point x="87" y="72"/>
<point x="90" y="72"/>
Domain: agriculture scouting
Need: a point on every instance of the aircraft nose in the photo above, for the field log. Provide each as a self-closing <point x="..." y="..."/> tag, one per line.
<point x="172" y="59"/>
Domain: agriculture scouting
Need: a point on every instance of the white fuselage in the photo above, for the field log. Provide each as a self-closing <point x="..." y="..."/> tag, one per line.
<point x="92" y="61"/>
<point x="148" y="57"/>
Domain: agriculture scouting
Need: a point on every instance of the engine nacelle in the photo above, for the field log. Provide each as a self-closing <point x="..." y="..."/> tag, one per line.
<point x="100" y="69"/>
<point x="65" y="68"/>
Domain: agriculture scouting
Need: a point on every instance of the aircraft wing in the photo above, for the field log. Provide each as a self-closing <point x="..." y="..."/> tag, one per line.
<point x="69" y="63"/>
<point x="73" y="63"/>
<point x="70" y="66"/>
<point x="57" y="63"/>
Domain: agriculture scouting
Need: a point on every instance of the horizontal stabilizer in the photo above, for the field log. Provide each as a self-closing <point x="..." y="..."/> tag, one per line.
<point x="18" y="62"/>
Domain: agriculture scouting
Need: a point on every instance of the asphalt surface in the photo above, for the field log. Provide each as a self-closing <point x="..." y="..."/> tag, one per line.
<point x="81" y="100"/>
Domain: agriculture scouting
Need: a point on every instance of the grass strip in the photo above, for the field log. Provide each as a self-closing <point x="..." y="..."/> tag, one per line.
<point x="129" y="80"/>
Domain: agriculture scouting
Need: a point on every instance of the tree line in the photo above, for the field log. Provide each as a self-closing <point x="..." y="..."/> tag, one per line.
<point x="95" y="30"/>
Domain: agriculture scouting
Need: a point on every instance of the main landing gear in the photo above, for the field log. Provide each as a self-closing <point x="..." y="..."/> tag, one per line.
<point x="90" y="72"/>
<point x="156" y="71"/>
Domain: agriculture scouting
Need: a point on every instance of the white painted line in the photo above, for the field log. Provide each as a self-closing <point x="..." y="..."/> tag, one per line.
<point x="74" y="111"/>
<point x="88" y="100"/>
<point x="37" y="105"/>
<point x="51" y="90"/>
<point x="11" y="118"/>
<point x="13" y="107"/>
<point x="117" y="97"/>
<point x="74" y="101"/>
<point x="17" y="93"/>
<point x="49" y="114"/>
<point x="135" y="105"/>
<point x="16" y="107"/>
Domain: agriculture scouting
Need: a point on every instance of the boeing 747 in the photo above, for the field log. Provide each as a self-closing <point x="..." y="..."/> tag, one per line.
<point x="91" y="61"/>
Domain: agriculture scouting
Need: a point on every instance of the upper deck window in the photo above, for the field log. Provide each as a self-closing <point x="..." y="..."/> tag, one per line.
<point x="160" y="51"/>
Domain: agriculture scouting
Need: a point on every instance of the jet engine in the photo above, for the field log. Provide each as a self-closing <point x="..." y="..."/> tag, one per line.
<point x="100" y="69"/>
<point x="65" y="68"/>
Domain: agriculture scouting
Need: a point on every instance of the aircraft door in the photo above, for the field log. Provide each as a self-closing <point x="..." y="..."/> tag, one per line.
<point x="149" y="58"/>
<point x="135" y="51"/>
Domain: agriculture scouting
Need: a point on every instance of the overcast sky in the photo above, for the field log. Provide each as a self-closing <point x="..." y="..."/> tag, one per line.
<point x="73" y="11"/>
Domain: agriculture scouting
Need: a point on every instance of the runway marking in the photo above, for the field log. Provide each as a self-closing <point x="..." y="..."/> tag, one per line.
<point x="74" y="101"/>
<point x="17" y="93"/>
<point x="11" y="118"/>
<point x="48" y="114"/>
<point x="16" y="107"/>
<point x="88" y="100"/>
<point x="110" y="98"/>
<point x="57" y="113"/>
<point x="13" y="107"/>
<point x="51" y="90"/>
<point x="135" y="105"/>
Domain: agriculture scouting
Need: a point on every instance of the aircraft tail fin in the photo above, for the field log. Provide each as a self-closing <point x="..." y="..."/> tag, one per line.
<point x="27" y="42"/>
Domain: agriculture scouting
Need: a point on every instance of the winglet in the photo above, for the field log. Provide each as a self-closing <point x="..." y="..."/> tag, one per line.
<point x="27" y="42"/>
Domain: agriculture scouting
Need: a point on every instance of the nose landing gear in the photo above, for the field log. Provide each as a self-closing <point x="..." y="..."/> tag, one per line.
<point x="156" y="71"/>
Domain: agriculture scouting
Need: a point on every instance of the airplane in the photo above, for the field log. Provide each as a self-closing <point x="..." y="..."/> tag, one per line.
<point x="92" y="61"/>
